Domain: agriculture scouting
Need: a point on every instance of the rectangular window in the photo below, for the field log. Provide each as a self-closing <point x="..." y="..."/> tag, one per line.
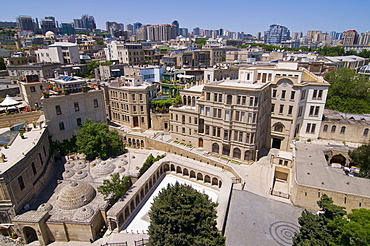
<point x="133" y="97"/>
<point x="283" y="94"/>
<point x="33" y="89"/>
<point x="227" y="115"/>
<point x="300" y="111"/>
<point x="183" y="130"/>
<point x="240" y="136"/>
<point x="207" y="129"/>
<point x="201" y="110"/>
<point x="229" y="99"/>
<point x="312" y="108"/>
<point x="319" y="96"/>
<point x="292" y="95"/>
<point x="251" y="101"/>
<point x="317" y="109"/>
<point x="290" y="111"/>
<point x="183" y="119"/>
<point x="215" y="97"/>
<point x="21" y="183"/>
<point x="226" y="135"/>
<point x="308" y="127"/>
<point x="250" y="117"/>
<point x="218" y="132"/>
<point x="77" y="107"/>
<point x="215" y="112"/>
<point x="219" y="97"/>
<point x="79" y="122"/>
<point x="61" y="126"/>
<point x="314" y="95"/>
<point x="239" y="100"/>
<point x="281" y="109"/>
<point x="141" y="97"/>
<point x="242" y="116"/>
<point x="142" y="119"/>
<point x="96" y="103"/>
<point x="303" y="96"/>
<point x="208" y="96"/>
<point x="208" y="111"/>
<point x="219" y="111"/>
<point x="33" y="168"/>
<point x="58" y="110"/>
<point x="214" y="131"/>
<point x="236" y="135"/>
<point x="274" y="92"/>
<point x="244" y="100"/>
<point x="272" y="108"/>
<point x="237" y="115"/>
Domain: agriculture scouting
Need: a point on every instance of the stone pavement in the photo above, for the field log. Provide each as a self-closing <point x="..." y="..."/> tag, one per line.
<point x="258" y="220"/>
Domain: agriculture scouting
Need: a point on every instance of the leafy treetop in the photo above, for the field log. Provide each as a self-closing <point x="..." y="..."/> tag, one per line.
<point x="361" y="158"/>
<point x="96" y="140"/>
<point x="115" y="187"/>
<point x="182" y="216"/>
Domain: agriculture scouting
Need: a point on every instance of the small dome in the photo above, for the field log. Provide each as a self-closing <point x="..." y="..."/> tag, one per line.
<point x="49" y="34"/>
<point x="45" y="207"/>
<point x="80" y="175"/>
<point x="75" y="195"/>
<point x="69" y="165"/>
<point x="103" y="168"/>
<point x="121" y="169"/>
<point x="80" y="165"/>
<point x="83" y="213"/>
<point x="68" y="173"/>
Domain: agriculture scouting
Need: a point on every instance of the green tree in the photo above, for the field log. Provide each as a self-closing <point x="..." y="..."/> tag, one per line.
<point x="149" y="162"/>
<point x="201" y="41"/>
<point x="96" y="140"/>
<point x="115" y="187"/>
<point x="182" y="216"/>
<point x="314" y="228"/>
<point x="353" y="230"/>
<point x="2" y="64"/>
<point x="348" y="91"/>
<point x="361" y="158"/>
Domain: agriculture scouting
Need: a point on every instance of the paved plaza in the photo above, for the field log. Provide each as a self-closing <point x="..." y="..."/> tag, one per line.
<point x="258" y="220"/>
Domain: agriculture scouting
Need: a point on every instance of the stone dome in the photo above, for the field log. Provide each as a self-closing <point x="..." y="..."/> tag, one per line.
<point x="80" y="174"/>
<point x="83" y="213"/>
<point x="69" y="165"/>
<point x="75" y="195"/>
<point x="68" y="174"/>
<point x="121" y="169"/>
<point x="45" y="207"/>
<point x="49" y="34"/>
<point x="80" y="165"/>
<point x="103" y="168"/>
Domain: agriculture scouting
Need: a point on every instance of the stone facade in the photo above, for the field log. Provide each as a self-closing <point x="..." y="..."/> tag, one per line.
<point x="68" y="112"/>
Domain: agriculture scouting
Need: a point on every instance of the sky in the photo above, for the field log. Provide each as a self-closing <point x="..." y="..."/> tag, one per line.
<point x="233" y="15"/>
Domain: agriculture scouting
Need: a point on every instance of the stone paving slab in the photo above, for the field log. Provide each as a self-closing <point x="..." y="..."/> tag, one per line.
<point x="258" y="220"/>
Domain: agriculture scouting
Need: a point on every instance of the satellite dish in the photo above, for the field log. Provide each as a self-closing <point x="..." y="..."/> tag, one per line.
<point x="168" y="68"/>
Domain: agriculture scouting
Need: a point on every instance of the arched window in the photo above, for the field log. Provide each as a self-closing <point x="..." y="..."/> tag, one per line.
<point x="215" y="148"/>
<point x="278" y="127"/>
<point x="366" y="131"/>
<point x="333" y="128"/>
<point x="325" y="128"/>
<point x="343" y="129"/>
<point x="236" y="153"/>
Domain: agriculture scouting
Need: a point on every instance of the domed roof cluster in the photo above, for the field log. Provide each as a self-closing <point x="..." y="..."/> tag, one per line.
<point x="75" y="195"/>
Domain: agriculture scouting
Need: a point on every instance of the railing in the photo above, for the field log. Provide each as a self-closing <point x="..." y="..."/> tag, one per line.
<point x="115" y="244"/>
<point x="141" y="242"/>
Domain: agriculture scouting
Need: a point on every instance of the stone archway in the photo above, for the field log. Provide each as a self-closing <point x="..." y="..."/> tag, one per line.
<point x="215" y="148"/>
<point x="30" y="234"/>
<point x="338" y="159"/>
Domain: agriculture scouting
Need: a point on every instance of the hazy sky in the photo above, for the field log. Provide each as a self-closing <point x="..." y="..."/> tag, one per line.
<point x="243" y="15"/>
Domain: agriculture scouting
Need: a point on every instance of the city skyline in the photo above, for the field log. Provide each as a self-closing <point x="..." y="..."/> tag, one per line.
<point x="249" y="17"/>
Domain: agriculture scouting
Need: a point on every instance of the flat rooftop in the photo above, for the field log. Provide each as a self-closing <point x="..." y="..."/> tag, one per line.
<point x="313" y="170"/>
<point x="239" y="83"/>
<point x="19" y="148"/>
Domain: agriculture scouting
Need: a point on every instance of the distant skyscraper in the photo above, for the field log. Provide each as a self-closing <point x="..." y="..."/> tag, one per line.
<point x="130" y="30"/>
<point x="350" y="37"/>
<point x="176" y="23"/>
<point x="277" y="34"/>
<point x="136" y="26"/>
<point x="48" y="24"/>
<point x="258" y="35"/>
<point x="26" y="23"/>
<point x="185" y="32"/>
<point x="196" y="31"/>
<point x="86" y="22"/>
<point x="221" y="32"/>
<point x="365" y="38"/>
<point x="297" y="35"/>
<point x="67" y="28"/>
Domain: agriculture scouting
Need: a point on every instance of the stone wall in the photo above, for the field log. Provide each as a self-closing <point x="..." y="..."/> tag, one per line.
<point x="11" y="119"/>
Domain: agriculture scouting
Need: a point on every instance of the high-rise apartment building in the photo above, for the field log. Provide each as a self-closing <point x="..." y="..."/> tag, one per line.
<point x="196" y="31"/>
<point x="26" y="23"/>
<point x="86" y="22"/>
<point x="67" y="28"/>
<point x="156" y="32"/>
<point x="277" y="34"/>
<point x="297" y="35"/>
<point x="350" y="37"/>
<point x="176" y="23"/>
<point x="365" y="38"/>
<point x="48" y="24"/>
<point x="136" y="26"/>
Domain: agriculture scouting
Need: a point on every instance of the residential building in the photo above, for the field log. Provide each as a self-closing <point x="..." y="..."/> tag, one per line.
<point x="43" y="70"/>
<point x="350" y="37"/>
<point x="126" y="53"/>
<point x="59" y="52"/>
<point x="48" y="24"/>
<point x="67" y="28"/>
<point x="347" y="61"/>
<point x="129" y="101"/>
<point x="26" y="23"/>
<point x="276" y="34"/>
<point x="177" y="25"/>
<point x="136" y="26"/>
<point x="364" y="38"/>
<point x="31" y="89"/>
<point x="67" y="112"/>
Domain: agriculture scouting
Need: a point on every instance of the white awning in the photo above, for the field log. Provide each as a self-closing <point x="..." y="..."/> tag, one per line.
<point x="185" y="76"/>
